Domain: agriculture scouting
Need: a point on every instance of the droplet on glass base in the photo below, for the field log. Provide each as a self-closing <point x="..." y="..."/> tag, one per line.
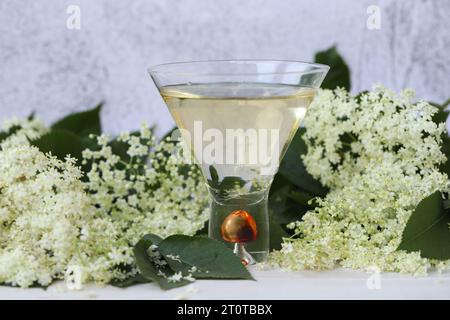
<point x="239" y="227"/>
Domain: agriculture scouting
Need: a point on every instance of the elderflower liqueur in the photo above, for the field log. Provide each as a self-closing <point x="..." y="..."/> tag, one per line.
<point x="238" y="133"/>
<point x="252" y="122"/>
<point x="236" y="119"/>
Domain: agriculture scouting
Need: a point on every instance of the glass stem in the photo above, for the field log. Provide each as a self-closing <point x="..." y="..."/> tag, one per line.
<point x="241" y="252"/>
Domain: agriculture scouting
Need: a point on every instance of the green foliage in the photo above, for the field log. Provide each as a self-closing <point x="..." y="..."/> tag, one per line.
<point x="212" y="259"/>
<point x="439" y="117"/>
<point x="292" y="191"/>
<point x="428" y="230"/>
<point x="149" y="270"/>
<point x="276" y="232"/>
<point x="339" y="74"/>
<point x="293" y="170"/>
<point x="197" y="256"/>
<point x="6" y="134"/>
<point x="70" y="135"/>
<point x="120" y="148"/>
<point x="60" y="143"/>
<point x="226" y="184"/>
<point x="137" y="279"/>
<point x="81" y="124"/>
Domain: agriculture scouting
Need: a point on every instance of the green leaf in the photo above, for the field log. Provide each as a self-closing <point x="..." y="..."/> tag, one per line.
<point x="137" y="279"/>
<point x="120" y="148"/>
<point x="169" y="134"/>
<point x="442" y="114"/>
<point x="428" y="230"/>
<point x="149" y="270"/>
<point x="153" y="238"/>
<point x="293" y="169"/>
<point x="230" y="183"/>
<point x="285" y="208"/>
<point x="291" y="190"/>
<point x="445" y="167"/>
<point x="339" y="74"/>
<point x="214" y="175"/>
<point x="441" y="117"/>
<point x="227" y="184"/>
<point x="446" y="103"/>
<point x="82" y="124"/>
<point x="359" y="95"/>
<point x="211" y="258"/>
<point x="276" y="233"/>
<point x="6" y="134"/>
<point x="203" y="231"/>
<point x="279" y="182"/>
<point x="300" y="197"/>
<point x="446" y="204"/>
<point x="61" y="143"/>
<point x="278" y="200"/>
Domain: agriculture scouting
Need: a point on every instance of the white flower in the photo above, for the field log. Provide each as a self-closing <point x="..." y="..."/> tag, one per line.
<point x="51" y="221"/>
<point x="176" y="277"/>
<point x="21" y="131"/>
<point x="380" y="157"/>
<point x="154" y="197"/>
<point x="43" y="203"/>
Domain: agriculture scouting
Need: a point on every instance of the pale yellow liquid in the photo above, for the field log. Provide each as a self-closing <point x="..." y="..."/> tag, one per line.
<point x="244" y="106"/>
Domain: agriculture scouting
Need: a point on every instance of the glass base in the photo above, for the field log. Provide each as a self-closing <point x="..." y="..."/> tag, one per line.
<point x="242" y="223"/>
<point x="258" y="256"/>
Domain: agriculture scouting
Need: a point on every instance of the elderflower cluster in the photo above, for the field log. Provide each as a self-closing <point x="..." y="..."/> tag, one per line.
<point x="44" y="217"/>
<point x="161" y="196"/>
<point x="345" y="133"/>
<point x="21" y="131"/>
<point x="56" y="223"/>
<point x="379" y="154"/>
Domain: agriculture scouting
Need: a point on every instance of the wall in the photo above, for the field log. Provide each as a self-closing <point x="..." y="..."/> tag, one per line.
<point x="52" y="70"/>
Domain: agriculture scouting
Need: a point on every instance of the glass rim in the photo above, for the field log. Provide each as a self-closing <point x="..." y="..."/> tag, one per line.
<point x="316" y="68"/>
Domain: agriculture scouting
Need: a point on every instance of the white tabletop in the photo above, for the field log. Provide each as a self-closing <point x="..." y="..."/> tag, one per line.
<point x="270" y="284"/>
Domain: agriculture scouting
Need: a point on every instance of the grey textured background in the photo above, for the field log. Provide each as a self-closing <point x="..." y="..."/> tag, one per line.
<point x="52" y="70"/>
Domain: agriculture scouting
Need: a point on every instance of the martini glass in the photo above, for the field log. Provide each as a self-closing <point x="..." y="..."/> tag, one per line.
<point x="237" y="119"/>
